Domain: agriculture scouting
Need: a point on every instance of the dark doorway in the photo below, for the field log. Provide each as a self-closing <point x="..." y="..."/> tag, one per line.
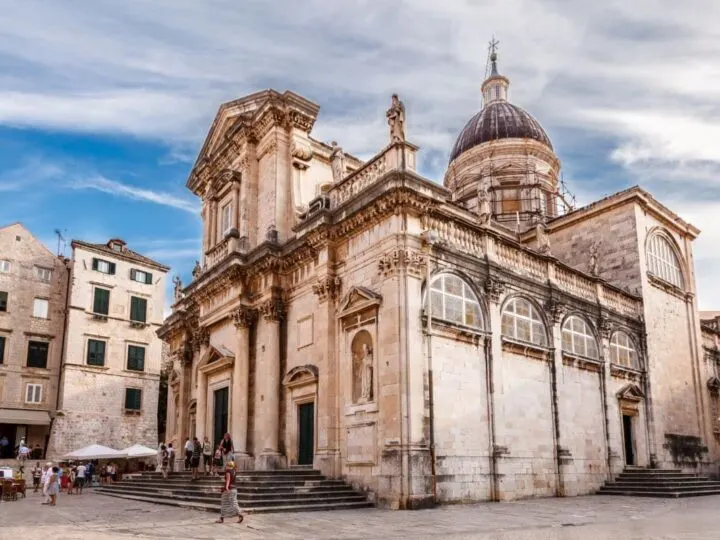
<point x="628" y="437"/>
<point x="306" y="433"/>
<point x="220" y="414"/>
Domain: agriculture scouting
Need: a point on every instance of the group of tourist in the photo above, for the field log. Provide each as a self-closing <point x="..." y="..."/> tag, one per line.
<point x="222" y="459"/>
<point x="22" y="451"/>
<point x="53" y="479"/>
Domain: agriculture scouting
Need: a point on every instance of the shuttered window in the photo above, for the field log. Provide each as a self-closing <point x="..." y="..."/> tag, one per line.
<point x="141" y="276"/>
<point x="133" y="399"/>
<point x="138" y="309"/>
<point x="3" y="300"/>
<point x="101" y="304"/>
<point x="136" y="358"/>
<point x="96" y="352"/>
<point x="106" y="267"/>
<point x="2" y="349"/>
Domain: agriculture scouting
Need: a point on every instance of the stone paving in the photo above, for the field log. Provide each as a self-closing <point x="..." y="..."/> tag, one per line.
<point x="96" y="517"/>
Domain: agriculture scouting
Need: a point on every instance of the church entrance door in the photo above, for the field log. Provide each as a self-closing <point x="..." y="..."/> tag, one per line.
<point x="220" y="414"/>
<point x="306" y="433"/>
<point x="628" y="438"/>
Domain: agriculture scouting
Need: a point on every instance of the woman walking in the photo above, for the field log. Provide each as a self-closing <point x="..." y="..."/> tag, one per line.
<point x="229" y="506"/>
<point x="51" y="486"/>
<point x="164" y="461"/>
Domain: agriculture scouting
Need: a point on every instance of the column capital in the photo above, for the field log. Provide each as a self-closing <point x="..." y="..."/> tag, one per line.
<point x="494" y="289"/>
<point x="327" y="287"/>
<point x="555" y="310"/>
<point x="273" y="309"/>
<point x="200" y="338"/>
<point x="244" y="316"/>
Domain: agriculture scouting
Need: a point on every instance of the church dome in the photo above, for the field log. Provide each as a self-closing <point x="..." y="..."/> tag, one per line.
<point x="499" y="119"/>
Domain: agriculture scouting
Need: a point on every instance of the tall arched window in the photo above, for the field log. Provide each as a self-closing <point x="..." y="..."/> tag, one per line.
<point x="521" y="321"/>
<point x="578" y="339"/>
<point x="662" y="260"/>
<point x="622" y="350"/>
<point x="454" y="301"/>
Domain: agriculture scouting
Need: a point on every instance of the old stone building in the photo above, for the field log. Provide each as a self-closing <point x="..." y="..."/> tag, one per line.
<point x="476" y="340"/>
<point x="33" y="291"/>
<point x="111" y="368"/>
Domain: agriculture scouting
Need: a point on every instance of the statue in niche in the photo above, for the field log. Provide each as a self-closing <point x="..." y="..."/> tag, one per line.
<point x="366" y="377"/>
<point x="177" y="288"/>
<point x="484" y="206"/>
<point x="396" y="120"/>
<point x="337" y="162"/>
<point x="593" y="263"/>
<point x="362" y="368"/>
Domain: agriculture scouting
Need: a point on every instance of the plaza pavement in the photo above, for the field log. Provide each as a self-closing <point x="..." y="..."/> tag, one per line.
<point x="96" y="517"/>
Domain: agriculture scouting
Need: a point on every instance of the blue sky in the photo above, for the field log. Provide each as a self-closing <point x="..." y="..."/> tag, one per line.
<point x="104" y="104"/>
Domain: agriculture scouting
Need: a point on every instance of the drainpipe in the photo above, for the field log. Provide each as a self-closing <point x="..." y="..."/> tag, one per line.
<point x="63" y="353"/>
<point x="431" y="383"/>
<point x="490" y="391"/>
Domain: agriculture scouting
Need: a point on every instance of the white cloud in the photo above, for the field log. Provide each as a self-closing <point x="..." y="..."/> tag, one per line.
<point x="119" y="189"/>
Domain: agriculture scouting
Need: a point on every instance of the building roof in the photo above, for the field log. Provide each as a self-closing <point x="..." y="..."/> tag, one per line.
<point x="499" y="120"/>
<point x="126" y="253"/>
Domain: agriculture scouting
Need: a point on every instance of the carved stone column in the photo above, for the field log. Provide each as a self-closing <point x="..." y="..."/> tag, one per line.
<point x="566" y="479"/>
<point x="494" y="289"/>
<point x="243" y="318"/>
<point x="268" y="383"/>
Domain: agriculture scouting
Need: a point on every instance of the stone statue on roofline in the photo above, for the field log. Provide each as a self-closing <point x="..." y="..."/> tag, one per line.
<point x="197" y="269"/>
<point x="593" y="262"/>
<point x="484" y="206"/>
<point x="177" y="288"/>
<point x="337" y="162"/>
<point x="396" y="120"/>
<point x="542" y="236"/>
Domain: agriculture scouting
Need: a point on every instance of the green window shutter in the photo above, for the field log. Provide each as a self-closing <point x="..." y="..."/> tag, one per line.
<point x="133" y="398"/>
<point x="3" y="300"/>
<point x="132" y="274"/>
<point x="136" y="358"/>
<point x="37" y="354"/>
<point x="138" y="309"/>
<point x="112" y="268"/>
<point x="2" y="349"/>
<point x="96" y="352"/>
<point x="101" y="305"/>
<point x="148" y="278"/>
<point x="95" y="264"/>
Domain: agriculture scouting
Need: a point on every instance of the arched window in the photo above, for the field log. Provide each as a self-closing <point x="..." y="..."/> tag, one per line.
<point x="622" y="350"/>
<point x="454" y="301"/>
<point x="662" y="260"/>
<point x="578" y="339"/>
<point x="521" y="321"/>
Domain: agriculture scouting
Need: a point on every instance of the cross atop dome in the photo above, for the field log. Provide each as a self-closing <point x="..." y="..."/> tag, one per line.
<point x="495" y="87"/>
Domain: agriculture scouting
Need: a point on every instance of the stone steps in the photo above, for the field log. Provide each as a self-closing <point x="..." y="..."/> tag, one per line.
<point x="295" y="489"/>
<point x="660" y="483"/>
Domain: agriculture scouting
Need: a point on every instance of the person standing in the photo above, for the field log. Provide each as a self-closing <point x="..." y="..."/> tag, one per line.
<point x="52" y="486"/>
<point x="164" y="461"/>
<point x="47" y="470"/>
<point x="188" y="453"/>
<point x="171" y="457"/>
<point x="228" y="449"/>
<point x="37" y="473"/>
<point x="229" y="506"/>
<point x="207" y="455"/>
<point x="72" y="476"/>
<point x="217" y="461"/>
<point x="80" y="478"/>
<point x="195" y="458"/>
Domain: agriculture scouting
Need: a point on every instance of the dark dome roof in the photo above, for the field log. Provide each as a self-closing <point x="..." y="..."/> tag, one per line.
<point x="499" y="120"/>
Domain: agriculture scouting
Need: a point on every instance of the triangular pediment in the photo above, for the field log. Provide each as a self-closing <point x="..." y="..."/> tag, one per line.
<point x="357" y="299"/>
<point x="630" y="392"/>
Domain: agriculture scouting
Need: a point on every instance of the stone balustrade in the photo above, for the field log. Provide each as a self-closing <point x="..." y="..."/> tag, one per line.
<point x="217" y="253"/>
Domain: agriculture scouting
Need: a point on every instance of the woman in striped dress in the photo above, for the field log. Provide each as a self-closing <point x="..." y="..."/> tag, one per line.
<point x="229" y="506"/>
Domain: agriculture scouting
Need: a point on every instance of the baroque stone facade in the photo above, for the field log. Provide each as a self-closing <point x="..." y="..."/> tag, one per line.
<point x="432" y="343"/>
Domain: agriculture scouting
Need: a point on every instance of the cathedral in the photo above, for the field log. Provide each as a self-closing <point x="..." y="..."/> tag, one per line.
<point x="476" y="339"/>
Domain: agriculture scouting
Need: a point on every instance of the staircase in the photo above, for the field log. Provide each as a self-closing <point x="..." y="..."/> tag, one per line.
<point x="297" y="489"/>
<point x="667" y="483"/>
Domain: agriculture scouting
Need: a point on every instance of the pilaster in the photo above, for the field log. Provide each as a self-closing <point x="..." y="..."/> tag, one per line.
<point x="243" y="318"/>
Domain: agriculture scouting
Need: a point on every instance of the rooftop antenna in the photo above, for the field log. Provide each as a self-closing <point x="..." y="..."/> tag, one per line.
<point x="61" y="240"/>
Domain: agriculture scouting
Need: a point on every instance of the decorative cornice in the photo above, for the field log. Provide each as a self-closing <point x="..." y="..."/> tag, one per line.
<point x="244" y="316"/>
<point x="273" y="309"/>
<point x="396" y="260"/>
<point x="494" y="289"/>
<point x="327" y="287"/>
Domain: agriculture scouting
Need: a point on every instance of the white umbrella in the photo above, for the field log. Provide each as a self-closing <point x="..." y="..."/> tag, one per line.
<point x="139" y="451"/>
<point x="94" y="451"/>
